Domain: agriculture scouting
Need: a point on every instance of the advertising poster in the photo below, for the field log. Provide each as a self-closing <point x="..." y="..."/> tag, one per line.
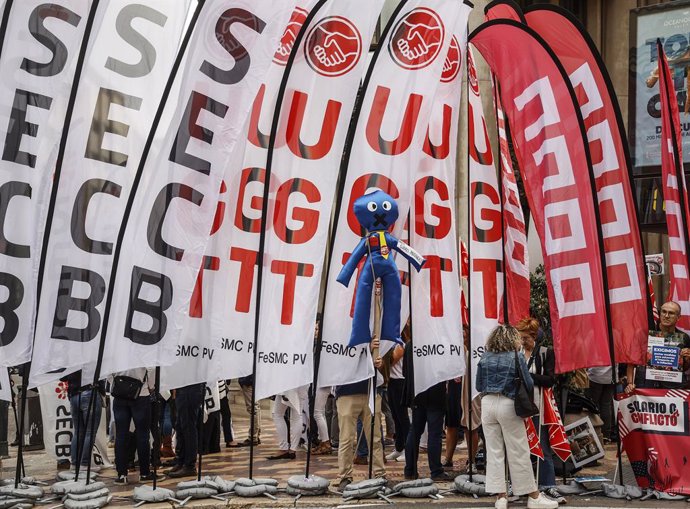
<point x="671" y="24"/>
<point x="663" y="357"/>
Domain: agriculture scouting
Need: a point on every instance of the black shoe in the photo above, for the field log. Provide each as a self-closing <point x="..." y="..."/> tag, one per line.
<point x="149" y="477"/>
<point x="287" y="455"/>
<point x="173" y="469"/>
<point x="121" y="480"/>
<point x="246" y="443"/>
<point x="185" y="471"/>
<point x="442" y="477"/>
<point x="172" y="462"/>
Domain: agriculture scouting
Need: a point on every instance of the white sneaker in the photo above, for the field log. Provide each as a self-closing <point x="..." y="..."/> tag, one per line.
<point x="541" y="502"/>
<point x="501" y="503"/>
<point x="395" y="455"/>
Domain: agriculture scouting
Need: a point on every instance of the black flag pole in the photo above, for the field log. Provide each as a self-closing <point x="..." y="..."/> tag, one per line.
<point x="200" y="431"/>
<point x="470" y="227"/>
<point x="264" y="212"/>
<point x="340" y="190"/>
<point x="156" y="430"/>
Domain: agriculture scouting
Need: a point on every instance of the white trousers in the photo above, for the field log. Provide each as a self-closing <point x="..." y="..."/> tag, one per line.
<point x="505" y="434"/>
<point x="284" y="442"/>
<point x="320" y="412"/>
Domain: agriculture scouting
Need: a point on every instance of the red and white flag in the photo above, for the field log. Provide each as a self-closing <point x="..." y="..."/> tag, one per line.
<point x="435" y="291"/>
<point x="315" y="116"/>
<point x="533" y="439"/>
<point x="543" y="117"/>
<point x="675" y="192"/>
<point x="221" y="310"/>
<point x="386" y="150"/>
<point x="622" y="243"/>
<point x="551" y="418"/>
<point x="486" y="234"/>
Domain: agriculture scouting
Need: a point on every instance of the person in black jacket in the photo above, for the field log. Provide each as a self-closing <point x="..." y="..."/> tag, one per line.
<point x="541" y="363"/>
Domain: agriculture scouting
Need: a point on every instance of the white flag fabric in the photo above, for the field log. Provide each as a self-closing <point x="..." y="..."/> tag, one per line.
<point x="38" y="62"/>
<point x="393" y="123"/>
<point x="5" y="385"/>
<point x="221" y="310"/>
<point x="56" y="414"/>
<point x="173" y="211"/>
<point x="438" y="349"/>
<point x="315" y="116"/>
<point x="486" y="234"/>
<point x="127" y="64"/>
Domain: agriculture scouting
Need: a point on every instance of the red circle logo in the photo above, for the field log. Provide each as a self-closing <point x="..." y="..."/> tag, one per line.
<point x="416" y="39"/>
<point x="333" y="47"/>
<point x="451" y="66"/>
<point x="287" y="41"/>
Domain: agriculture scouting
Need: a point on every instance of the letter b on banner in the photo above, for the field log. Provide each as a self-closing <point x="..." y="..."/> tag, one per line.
<point x="146" y="283"/>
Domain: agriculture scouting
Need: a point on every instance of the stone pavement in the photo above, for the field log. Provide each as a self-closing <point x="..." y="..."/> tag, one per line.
<point x="233" y="463"/>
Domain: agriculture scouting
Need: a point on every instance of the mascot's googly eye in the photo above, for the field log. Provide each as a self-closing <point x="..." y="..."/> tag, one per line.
<point x="372" y="206"/>
<point x="386" y="205"/>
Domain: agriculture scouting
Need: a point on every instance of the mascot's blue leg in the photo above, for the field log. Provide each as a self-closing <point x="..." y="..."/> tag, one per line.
<point x="361" y="333"/>
<point x="392" y="292"/>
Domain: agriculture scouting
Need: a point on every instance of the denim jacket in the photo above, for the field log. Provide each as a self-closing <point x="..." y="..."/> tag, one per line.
<point x="496" y="374"/>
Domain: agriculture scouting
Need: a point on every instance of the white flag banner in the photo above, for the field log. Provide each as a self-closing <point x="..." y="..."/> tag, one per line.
<point x="394" y="118"/>
<point x="315" y="114"/>
<point x="39" y="60"/>
<point x="58" y="430"/>
<point x="438" y="349"/>
<point x="125" y="72"/>
<point x="221" y="310"/>
<point x="5" y="385"/>
<point x="173" y="211"/>
<point x="486" y="234"/>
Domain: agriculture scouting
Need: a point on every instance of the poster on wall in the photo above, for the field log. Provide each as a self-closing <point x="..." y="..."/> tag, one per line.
<point x="671" y="24"/>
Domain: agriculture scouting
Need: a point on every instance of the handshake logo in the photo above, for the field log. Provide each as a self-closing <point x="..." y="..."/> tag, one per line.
<point x="334" y="46"/>
<point x="287" y="41"/>
<point x="451" y="65"/>
<point x="417" y="39"/>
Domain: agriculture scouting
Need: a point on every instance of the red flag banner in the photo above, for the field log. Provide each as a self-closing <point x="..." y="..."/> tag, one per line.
<point x="551" y="418"/>
<point x="533" y="439"/>
<point x="622" y="243"/>
<point x="549" y="141"/>
<point x="514" y="230"/>
<point x="503" y="9"/>
<point x="654" y="430"/>
<point x="675" y="194"/>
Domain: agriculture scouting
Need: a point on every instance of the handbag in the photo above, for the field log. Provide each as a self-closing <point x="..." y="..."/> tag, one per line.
<point x="524" y="404"/>
<point x="127" y="387"/>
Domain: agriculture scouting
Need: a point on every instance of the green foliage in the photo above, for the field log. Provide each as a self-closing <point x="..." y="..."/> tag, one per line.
<point x="539" y="300"/>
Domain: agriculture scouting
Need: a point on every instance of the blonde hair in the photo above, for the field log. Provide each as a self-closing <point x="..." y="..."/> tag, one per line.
<point x="504" y="338"/>
<point x="528" y="325"/>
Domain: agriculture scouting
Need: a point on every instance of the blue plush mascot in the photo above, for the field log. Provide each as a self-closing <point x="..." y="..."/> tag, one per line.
<point x="377" y="212"/>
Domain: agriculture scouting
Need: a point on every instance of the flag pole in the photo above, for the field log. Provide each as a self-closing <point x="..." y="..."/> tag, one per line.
<point x="374" y="356"/>
<point x="156" y="425"/>
<point x="349" y="137"/>
<point x="264" y="213"/>
<point x="470" y="449"/>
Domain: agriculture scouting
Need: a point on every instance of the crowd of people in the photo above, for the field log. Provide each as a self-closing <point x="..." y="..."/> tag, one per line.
<point x="435" y="422"/>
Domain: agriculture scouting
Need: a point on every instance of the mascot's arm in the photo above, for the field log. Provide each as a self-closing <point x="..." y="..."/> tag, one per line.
<point x="412" y="256"/>
<point x="352" y="262"/>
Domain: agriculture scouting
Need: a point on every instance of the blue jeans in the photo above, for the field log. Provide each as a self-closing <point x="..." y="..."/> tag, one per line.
<point x="422" y="416"/>
<point x="166" y="418"/>
<point x="138" y="410"/>
<point x="547" y="475"/>
<point x="188" y="402"/>
<point x="84" y="429"/>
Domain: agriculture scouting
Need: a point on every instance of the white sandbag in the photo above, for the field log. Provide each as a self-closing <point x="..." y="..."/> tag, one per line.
<point x="89" y="495"/>
<point x="94" y="503"/>
<point x="255" y="491"/>
<point x="201" y="492"/>
<point x="148" y="494"/>
<point x="63" y="487"/>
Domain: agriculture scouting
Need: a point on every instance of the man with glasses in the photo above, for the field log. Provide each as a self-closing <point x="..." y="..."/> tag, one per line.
<point x="670" y="313"/>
